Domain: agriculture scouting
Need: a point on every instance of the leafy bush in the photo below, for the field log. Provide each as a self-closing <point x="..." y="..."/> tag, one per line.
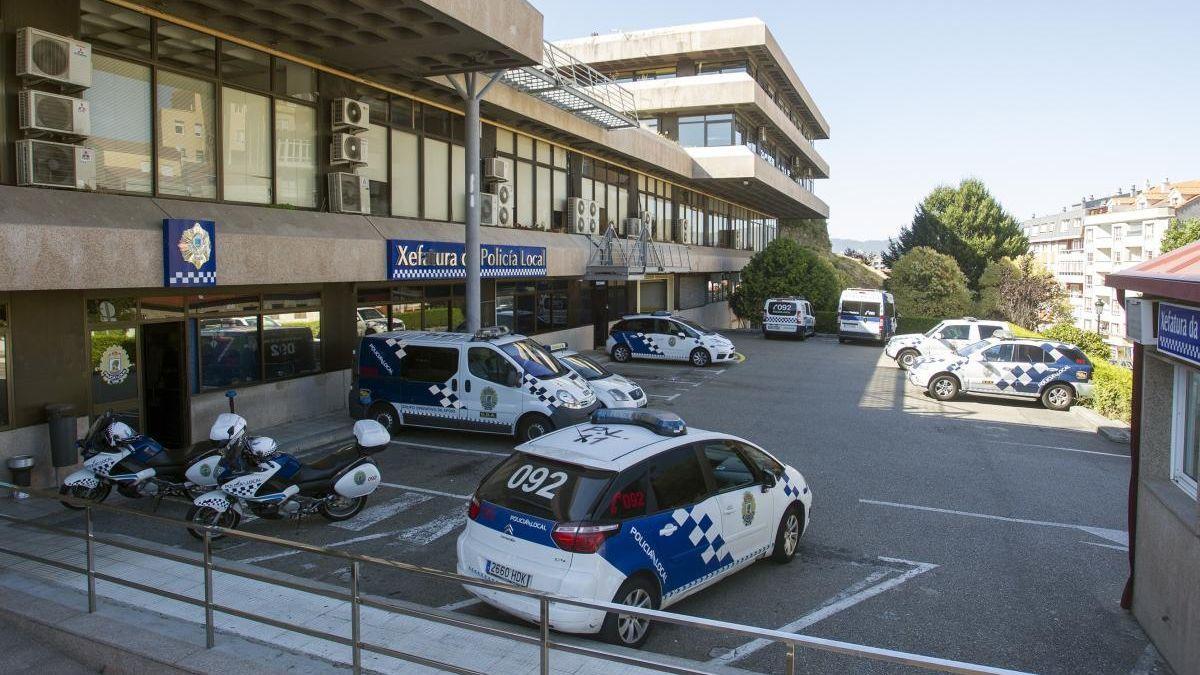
<point x="928" y="283"/>
<point x="1112" y="395"/>
<point x="784" y="268"/>
<point x="827" y="322"/>
<point x="917" y="324"/>
<point x="1091" y="343"/>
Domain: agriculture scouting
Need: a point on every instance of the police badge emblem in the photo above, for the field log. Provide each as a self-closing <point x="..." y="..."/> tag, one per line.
<point x="195" y="246"/>
<point x="488" y="398"/>
<point x="114" y="365"/>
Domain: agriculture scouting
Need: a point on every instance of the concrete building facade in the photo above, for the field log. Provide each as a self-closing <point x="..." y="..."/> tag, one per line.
<point x="261" y="184"/>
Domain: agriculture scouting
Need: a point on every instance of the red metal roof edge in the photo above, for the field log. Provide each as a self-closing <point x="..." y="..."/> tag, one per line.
<point x="1175" y="274"/>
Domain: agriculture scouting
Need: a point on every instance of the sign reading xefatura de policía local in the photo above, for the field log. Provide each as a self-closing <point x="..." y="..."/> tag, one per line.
<point x="414" y="259"/>
<point x="1179" y="331"/>
<point x="189" y="253"/>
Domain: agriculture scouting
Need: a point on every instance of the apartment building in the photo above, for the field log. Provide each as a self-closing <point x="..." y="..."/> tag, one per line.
<point x="1099" y="236"/>
<point x="210" y="195"/>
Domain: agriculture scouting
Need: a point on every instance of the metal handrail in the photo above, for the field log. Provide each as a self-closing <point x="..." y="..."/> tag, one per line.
<point x="544" y="640"/>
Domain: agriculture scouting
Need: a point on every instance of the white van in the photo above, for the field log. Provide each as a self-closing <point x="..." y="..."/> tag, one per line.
<point x="788" y="316"/>
<point x="491" y="382"/>
<point x="866" y="314"/>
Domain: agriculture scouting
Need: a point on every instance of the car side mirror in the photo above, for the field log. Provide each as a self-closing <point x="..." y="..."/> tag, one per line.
<point x="938" y="335"/>
<point x="682" y="335"/>
<point x="513" y="379"/>
<point x="769" y="481"/>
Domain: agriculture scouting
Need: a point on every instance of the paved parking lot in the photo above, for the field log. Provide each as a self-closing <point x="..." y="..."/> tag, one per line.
<point x="984" y="530"/>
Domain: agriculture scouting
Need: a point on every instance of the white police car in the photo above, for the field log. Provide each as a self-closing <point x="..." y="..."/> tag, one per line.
<point x="1054" y="372"/>
<point x="613" y="390"/>
<point x="659" y="335"/>
<point x="634" y="508"/>
<point x="945" y="338"/>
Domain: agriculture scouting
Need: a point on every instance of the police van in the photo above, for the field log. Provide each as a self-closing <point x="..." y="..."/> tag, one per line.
<point x="948" y="336"/>
<point x="662" y="336"/>
<point x="613" y="390"/>
<point x="866" y="314"/>
<point x="1054" y="372"/>
<point x="491" y="381"/>
<point x="788" y="316"/>
<point x="632" y="508"/>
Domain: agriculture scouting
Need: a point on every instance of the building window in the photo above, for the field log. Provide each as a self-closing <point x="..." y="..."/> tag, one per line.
<point x="295" y="154"/>
<point x="436" y="176"/>
<point x="406" y="177"/>
<point x="1185" y="436"/>
<point x="243" y="340"/>
<point x="180" y="96"/>
<point x="246" y="140"/>
<point x="122" y="134"/>
<point x="376" y="170"/>
<point x="5" y="378"/>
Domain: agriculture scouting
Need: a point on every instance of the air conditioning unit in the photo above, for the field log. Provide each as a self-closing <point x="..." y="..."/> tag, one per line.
<point x="493" y="212"/>
<point x="349" y="193"/>
<point x="631" y="227"/>
<point x="53" y="57"/>
<point x="53" y="113"/>
<point x="762" y="134"/>
<point x="350" y="115"/>
<point x="582" y="216"/>
<point x="348" y="149"/>
<point x="60" y="165"/>
<point x="497" y="169"/>
<point x="504" y="194"/>
<point x="683" y="231"/>
<point x="1139" y="320"/>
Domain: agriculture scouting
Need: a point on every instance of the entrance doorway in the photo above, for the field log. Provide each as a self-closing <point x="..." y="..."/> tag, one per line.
<point x="599" y="315"/>
<point x="164" y="384"/>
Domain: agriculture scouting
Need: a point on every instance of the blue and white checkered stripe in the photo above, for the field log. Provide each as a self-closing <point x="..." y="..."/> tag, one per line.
<point x="771" y="318"/>
<point x="417" y="273"/>
<point x="1178" y="347"/>
<point x="790" y="490"/>
<point x="534" y="387"/>
<point x="192" y="279"/>
<point x="703" y="527"/>
<point x="446" y="396"/>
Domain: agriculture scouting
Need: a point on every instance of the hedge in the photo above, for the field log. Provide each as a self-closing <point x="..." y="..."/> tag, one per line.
<point x="827" y="323"/>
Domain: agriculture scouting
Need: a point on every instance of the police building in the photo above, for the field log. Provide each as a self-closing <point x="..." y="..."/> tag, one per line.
<point x="226" y="194"/>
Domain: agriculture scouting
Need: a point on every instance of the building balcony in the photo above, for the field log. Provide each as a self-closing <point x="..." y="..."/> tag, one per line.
<point x="737" y="172"/>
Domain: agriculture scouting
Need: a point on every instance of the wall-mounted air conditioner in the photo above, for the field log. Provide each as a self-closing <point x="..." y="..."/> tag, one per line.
<point x="348" y="149"/>
<point x="47" y="56"/>
<point x="582" y="216"/>
<point x="61" y="165"/>
<point x="350" y="115"/>
<point x="497" y="169"/>
<point x="53" y="113"/>
<point x="683" y="231"/>
<point x="349" y="193"/>
<point x="1139" y="320"/>
<point x="493" y="211"/>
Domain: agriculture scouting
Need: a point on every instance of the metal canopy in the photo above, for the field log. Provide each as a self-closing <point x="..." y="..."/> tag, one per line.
<point x="616" y="259"/>
<point x="567" y="83"/>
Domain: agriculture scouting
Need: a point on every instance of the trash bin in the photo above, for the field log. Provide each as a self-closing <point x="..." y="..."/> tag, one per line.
<point x="63" y="430"/>
<point x="21" y="467"/>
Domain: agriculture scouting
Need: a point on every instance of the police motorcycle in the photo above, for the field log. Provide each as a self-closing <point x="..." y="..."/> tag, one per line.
<point x="254" y="476"/>
<point x="139" y="466"/>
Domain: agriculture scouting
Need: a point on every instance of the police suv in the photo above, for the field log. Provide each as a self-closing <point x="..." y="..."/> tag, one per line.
<point x="659" y="335"/>
<point x="788" y="316"/>
<point x="490" y="381"/>
<point x="1054" y="372"/>
<point x="947" y="337"/>
<point x="613" y="390"/>
<point x="634" y="508"/>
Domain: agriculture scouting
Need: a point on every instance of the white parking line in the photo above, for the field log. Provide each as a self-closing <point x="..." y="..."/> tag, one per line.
<point x="374" y="514"/>
<point x="1059" y="447"/>
<point x="447" y="448"/>
<point x="292" y="552"/>
<point x="862" y="590"/>
<point x="1116" y="536"/>
<point x="425" y="490"/>
<point x="1112" y="546"/>
<point x="435" y="529"/>
<point x="672" y="397"/>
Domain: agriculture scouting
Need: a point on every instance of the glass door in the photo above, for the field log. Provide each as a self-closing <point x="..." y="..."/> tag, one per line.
<point x="114" y="374"/>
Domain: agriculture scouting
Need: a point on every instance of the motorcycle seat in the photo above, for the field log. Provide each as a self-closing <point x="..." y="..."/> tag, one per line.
<point x="327" y="467"/>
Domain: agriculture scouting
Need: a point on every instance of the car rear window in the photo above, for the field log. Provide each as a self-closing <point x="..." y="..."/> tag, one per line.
<point x="1072" y="353"/>
<point x="545" y="488"/>
<point x="860" y="307"/>
<point x="781" y="308"/>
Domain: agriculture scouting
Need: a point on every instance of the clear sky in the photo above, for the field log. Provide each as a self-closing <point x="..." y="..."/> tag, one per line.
<point x="1045" y="100"/>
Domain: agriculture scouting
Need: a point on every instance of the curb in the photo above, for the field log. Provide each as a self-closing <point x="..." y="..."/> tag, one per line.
<point x="1112" y="430"/>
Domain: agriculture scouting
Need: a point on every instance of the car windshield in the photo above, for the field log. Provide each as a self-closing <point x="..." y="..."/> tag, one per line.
<point x="694" y="326"/>
<point x="545" y="488"/>
<point x="975" y="347"/>
<point x="534" y="359"/>
<point x="589" y="369"/>
<point x="368" y="313"/>
<point x="931" y="331"/>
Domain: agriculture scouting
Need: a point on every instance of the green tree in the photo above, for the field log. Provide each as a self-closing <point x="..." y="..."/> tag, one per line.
<point x="928" y="283"/>
<point x="988" y="306"/>
<point x="1023" y="292"/>
<point x="967" y="223"/>
<point x="1180" y="233"/>
<point x="784" y="267"/>
<point x="1090" y="342"/>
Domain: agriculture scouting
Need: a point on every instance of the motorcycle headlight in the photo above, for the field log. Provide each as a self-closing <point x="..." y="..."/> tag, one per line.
<point x="618" y="394"/>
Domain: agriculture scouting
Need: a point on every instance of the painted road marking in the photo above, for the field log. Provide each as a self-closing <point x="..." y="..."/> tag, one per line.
<point x="461" y="604"/>
<point x="292" y="552"/>
<point x="867" y="588"/>
<point x="672" y="397"/>
<point x="1112" y="546"/>
<point x="1116" y="536"/>
<point x="447" y="448"/>
<point x="374" y="514"/>
<point x="427" y="491"/>
<point x="435" y="529"/>
<point x="1059" y="447"/>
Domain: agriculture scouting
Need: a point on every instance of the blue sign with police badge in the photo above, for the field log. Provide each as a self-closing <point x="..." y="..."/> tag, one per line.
<point x="415" y="259"/>
<point x="1179" y="331"/>
<point x="189" y="253"/>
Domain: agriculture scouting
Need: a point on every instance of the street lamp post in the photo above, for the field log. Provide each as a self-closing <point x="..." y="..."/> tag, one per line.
<point x="1100" y="302"/>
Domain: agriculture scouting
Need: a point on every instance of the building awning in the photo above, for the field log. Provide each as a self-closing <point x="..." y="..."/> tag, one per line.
<point x="1171" y="275"/>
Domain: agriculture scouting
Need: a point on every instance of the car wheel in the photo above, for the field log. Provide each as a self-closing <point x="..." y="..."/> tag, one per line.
<point x="621" y="353"/>
<point x="93" y="495"/>
<point x="906" y="358"/>
<point x="1058" y="397"/>
<point x="801" y="334"/>
<point x="841" y="341"/>
<point x="943" y="387"/>
<point x="787" y="537"/>
<point x="626" y="630"/>
<point x="533" y="426"/>
<point x="385" y="413"/>
<point x="341" y="508"/>
<point x="700" y="357"/>
<point x="208" y="516"/>
<point x="766" y="333"/>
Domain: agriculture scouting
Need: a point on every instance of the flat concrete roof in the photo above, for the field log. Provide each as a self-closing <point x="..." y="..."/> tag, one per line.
<point x="735" y="38"/>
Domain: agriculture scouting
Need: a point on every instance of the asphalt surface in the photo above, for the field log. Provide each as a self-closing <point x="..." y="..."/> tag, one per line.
<point x="986" y="530"/>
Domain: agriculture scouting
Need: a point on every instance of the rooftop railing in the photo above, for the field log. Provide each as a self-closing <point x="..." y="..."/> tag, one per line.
<point x="570" y="84"/>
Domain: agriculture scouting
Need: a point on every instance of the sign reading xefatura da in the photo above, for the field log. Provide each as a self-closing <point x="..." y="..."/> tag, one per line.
<point x="189" y="253"/>
<point x="1179" y="331"/>
<point x="414" y="259"/>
